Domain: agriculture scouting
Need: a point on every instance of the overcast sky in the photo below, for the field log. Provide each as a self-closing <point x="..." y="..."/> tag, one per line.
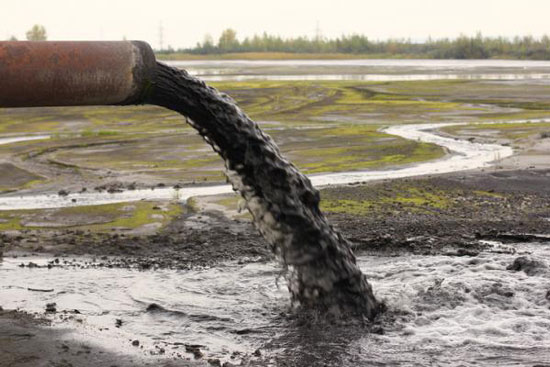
<point x="186" y="22"/>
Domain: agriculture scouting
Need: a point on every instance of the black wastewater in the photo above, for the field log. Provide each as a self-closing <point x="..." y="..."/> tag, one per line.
<point x="320" y="267"/>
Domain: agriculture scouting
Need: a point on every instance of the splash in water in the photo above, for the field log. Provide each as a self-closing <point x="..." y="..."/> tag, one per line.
<point x="321" y="268"/>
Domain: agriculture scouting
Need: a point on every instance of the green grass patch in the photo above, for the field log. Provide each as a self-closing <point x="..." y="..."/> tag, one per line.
<point x="369" y="201"/>
<point x="420" y="198"/>
<point x="141" y="215"/>
<point x="356" y="147"/>
<point x="9" y="221"/>
<point x="97" y="218"/>
<point x="356" y="207"/>
<point x="230" y="202"/>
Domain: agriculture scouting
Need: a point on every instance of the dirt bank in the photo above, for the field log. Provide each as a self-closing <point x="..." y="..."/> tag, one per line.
<point x="444" y="213"/>
<point x="419" y="215"/>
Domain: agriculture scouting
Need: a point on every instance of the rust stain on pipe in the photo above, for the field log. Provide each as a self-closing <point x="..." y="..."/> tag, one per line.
<point x="68" y="73"/>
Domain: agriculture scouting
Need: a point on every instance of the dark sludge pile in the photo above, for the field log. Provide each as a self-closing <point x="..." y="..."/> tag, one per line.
<point x="321" y="268"/>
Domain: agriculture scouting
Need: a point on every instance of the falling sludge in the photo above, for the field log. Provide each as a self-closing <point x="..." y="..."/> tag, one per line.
<point x="322" y="272"/>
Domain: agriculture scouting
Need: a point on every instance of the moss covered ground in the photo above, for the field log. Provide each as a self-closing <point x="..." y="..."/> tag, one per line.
<point x="366" y="201"/>
<point x="321" y="126"/>
<point x="423" y="197"/>
<point x="97" y="218"/>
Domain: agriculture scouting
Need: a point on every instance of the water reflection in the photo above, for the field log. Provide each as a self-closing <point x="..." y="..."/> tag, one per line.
<point x="219" y="77"/>
<point x="365" y="70"/>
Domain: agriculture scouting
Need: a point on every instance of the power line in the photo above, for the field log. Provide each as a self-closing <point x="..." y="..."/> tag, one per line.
<point x="161" y="36"/>
<point x="318" y="32"/>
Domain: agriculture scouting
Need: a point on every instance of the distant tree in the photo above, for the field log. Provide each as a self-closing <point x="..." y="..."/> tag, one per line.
<point x="462" y="47"/>
<point x="12" y="38"/>
<point x="208" y="43"/>
<point x="37" y="33"/>
<point x="228" y="40"/>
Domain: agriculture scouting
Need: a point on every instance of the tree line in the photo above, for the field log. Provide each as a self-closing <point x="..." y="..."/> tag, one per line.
<point x="36" y="33"/>
<point x="462" y="47"/>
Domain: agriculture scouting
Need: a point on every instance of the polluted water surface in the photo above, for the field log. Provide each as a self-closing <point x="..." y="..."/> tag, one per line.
<point x="489" y="309"/>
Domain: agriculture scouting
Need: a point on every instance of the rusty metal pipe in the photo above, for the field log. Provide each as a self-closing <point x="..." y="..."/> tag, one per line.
<point x="69" y="73"/>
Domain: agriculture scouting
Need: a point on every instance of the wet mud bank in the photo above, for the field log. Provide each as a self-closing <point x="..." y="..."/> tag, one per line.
<point x="444" y="229"/>
<point x="449" y="213"/>
<point x="455" y="209"/>
<point x="191" y="240"/>
<point x="29" y="341"/>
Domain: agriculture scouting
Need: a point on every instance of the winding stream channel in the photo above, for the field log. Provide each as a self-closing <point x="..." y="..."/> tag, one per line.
<point x="462" y="155"/>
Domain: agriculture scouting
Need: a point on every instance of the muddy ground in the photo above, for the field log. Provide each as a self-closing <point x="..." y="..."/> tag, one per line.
<point x="321" y="126"/>
<point x="447" y="214"/>
<point x="437" y="212"/>
<point x="27" y="340"/>
<point x="125" y="148"/>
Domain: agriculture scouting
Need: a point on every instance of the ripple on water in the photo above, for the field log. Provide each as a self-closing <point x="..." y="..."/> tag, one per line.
<point x="463" y="310"/>
<point x="444" y="310"/>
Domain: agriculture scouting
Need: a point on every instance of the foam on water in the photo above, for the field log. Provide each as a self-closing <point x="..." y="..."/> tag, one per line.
<point x="458" y="311"/>
<point x="460" y="306"/>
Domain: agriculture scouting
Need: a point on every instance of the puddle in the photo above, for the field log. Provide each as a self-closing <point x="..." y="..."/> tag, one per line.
<point x="457" y="311"/>
<point x="17" y="139"/>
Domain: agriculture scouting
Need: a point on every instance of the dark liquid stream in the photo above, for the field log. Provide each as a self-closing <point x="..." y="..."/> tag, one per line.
<point x="321" y="268"/>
